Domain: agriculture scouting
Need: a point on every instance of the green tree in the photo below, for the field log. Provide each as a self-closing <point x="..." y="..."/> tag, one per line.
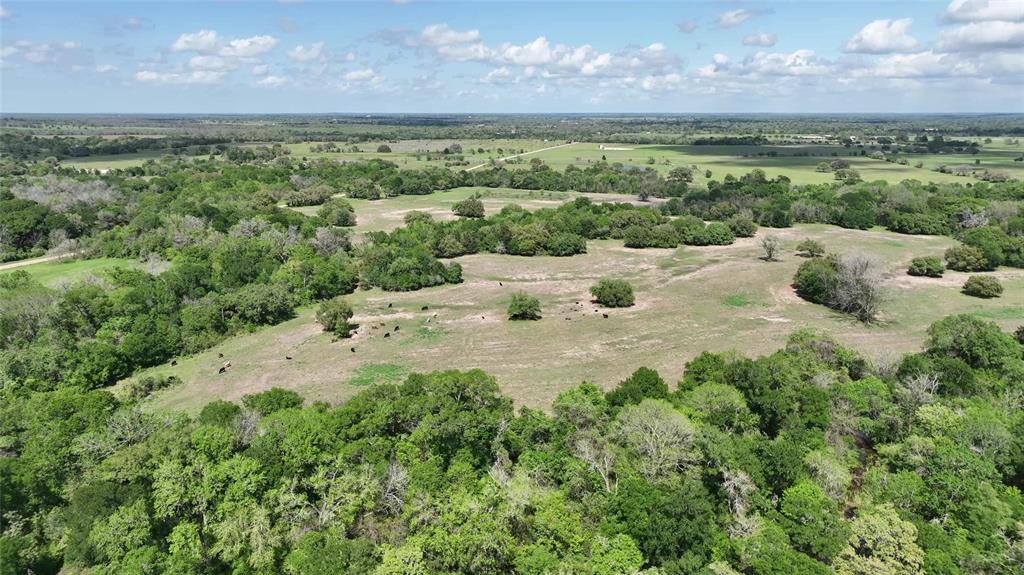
<point x="983" y="287"/>
<point x="334" y="315"/>
<point x="812" y="521"/>
<point x="928" y="266"/>
<point x="880" y="543"/>
<point x="613" y="293"/>
<point x="337" y="212"/>
<point x="643" y="384"/>
<point x="470" y="207"/>
<point x="523" y="306"/>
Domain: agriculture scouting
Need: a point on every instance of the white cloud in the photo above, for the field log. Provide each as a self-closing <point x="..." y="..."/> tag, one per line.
<point x="797" y="63"/>
<point x="70" y="45"/>
<point x="303" y="54"/>
<point x="444" y="35"/>
<point x="4" y="13"/>
<point x="532" y="54"/>
<point x="883" y="37"/>
<point x="927" y="64"/>
<point x="201" y="41"/>
<point x="720" y="59"/>
<point x="760" y="39"/>
<point x="213" y="63"/>
<point x="273" y="81"/>
<point x="983" y="36"/>
<point x="464" y="52"/>
<point x="687" y="26"/>
<point x="260" y="70"/>
<point x="498" y="76"/>
<point x="105" y="68"/>
<point x="360" y="75"/>
<point x="984" y="10"/>
<point x="248" y="47"/>
<point x="193" y="77"/>
<point x="658" y="83"/>
<point x="733" y="18"/>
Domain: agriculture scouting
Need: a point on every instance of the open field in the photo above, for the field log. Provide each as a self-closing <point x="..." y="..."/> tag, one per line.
<point x="796" y="162"/>
<point x="54" y="273"/>
<point x="114" y="161"/>
<point x="689" y="299"/>
<point x="387" y="214"/>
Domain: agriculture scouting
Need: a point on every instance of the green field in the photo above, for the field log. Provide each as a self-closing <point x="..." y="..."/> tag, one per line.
<point x="798" y="163"/>
<point x="56" y="273"/>
<point x="689" y="300"/>
<point x="113" y="161"/>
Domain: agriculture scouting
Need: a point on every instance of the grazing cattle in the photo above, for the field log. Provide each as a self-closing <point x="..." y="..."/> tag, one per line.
<point x="425" y="308"/>
<point x="389" y="306"/>
<point x="501" y="284"/>
<point x="220" y="355"/>
<point x="605" y="315"/>
<point x="222" y="370"/>
<point x="482" y="317"/>
<point x="174" y="362"/>
<point x="353" y="349"/>
<point x="387" y="335"/>
<point x="334" y="339"/>
<point x="288" y="357"/>
<point x="227" y="365"/>
<point x="396" y="328"/>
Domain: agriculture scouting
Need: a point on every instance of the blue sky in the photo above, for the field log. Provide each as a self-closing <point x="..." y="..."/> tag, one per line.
<point x="428" y="56"/>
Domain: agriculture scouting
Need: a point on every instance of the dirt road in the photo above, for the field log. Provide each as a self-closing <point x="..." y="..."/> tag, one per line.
<point x="506" y="158"/>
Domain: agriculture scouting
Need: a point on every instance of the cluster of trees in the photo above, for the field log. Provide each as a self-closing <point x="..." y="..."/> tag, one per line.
<point x="29" y="147"/>
<point x="851" y="283"/>
<point x="811" y="460"/>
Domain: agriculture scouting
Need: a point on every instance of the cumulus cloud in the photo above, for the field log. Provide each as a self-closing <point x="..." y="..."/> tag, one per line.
<point x="883" y="37"/>
<point x="360" y="75"/>
<point x="797" y="63"/>
<point x="201" y="41"/>
<point x="213" y="63"/>
<point x="303" y="54"/>
<point x="984" y="10"/>
<point x="105" y="68"/>
<point x="248" y="47"/>
<point x="193" y="77"/>
<point x="760" y="39"/>
<point x="733" y="18"/>
<point x="687" y="26"/>
<point x="260" y="70"/>
<point x="272" y="81"/>
<point x="926" y="64"/>
<point x="444" y="35"/>
<point x="983" y="36"/>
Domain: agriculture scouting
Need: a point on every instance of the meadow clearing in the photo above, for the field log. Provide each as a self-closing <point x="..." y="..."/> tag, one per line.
<point x="689" y="299"/>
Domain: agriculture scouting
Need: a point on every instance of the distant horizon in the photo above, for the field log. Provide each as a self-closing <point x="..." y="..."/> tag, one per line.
<point x="6" y="114"/>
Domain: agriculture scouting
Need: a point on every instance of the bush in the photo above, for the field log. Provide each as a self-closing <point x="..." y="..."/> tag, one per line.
<point x="816" y="279"/>
<point x="742" y="226"/>
<point x="966" y="259"/>
<point x="337" y="212"/>
<point x="273" y="400"/>
<point x="469" y="208"/>
<point x="613" y="293"/>
<point x="715" y="234"/>
<point x="928" y="266"/>
<point x="810" y="248"/>
<point x="334" y="314"/>
<point x="983" y="286"/>
<point x="688" y="228"/>
<point x="453" y="273"/>
<point x="383" y="149"/>
<point x="565" y="244"/>
<point x="523" y="306"/>
<point x="313" y="196"/>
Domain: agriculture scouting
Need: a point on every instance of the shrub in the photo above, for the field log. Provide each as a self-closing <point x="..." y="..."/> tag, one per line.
<point x="715" y="234"/>
<point x="383" y="149"/>
<point x="983" y="286"/>
<point x="771" y="245"/>
<point x="687" y="228"/>
<point x="966" y="259"/>
<point x="928" y="266"/>
<point x="815" y="279"/>
<point x="273" y="400"/>
<point x="337" y="212"/>
<point x="742" y="226"/>
<point x="334" y="314"/>
<point x="469" y="208"/>
<point x="613" y="293"/>
<point x="523" y="306"/>
<point x="810" y="248"/>
<point x="312" y="196"/>
<point x="565" y="244"/>
<point x="453" y="273"/>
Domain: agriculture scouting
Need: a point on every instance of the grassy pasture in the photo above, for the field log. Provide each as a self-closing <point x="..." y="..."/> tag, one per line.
<point x="796" y="162"/>
<point x="689" y="299"/>
<point x="114" y="161"/>
<point x="412" y="154"/>
<point x="55" y="273"/>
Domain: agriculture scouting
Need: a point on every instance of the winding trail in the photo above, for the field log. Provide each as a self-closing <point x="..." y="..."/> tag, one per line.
<point x="513" y="156"/>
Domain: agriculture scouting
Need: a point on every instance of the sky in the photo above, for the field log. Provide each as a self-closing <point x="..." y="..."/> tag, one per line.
<point x="294" y="56"/>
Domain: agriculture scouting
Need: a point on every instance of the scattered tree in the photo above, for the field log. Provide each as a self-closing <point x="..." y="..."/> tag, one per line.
<point x="771" y="244"/>
<point x="334" y="315"/>
<point x="927" y="266"/>
<point x="809" y="248"/>
<point x="983" y="287"/>
<point x="523" y="307"/>
<point x="613" y="293"/>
